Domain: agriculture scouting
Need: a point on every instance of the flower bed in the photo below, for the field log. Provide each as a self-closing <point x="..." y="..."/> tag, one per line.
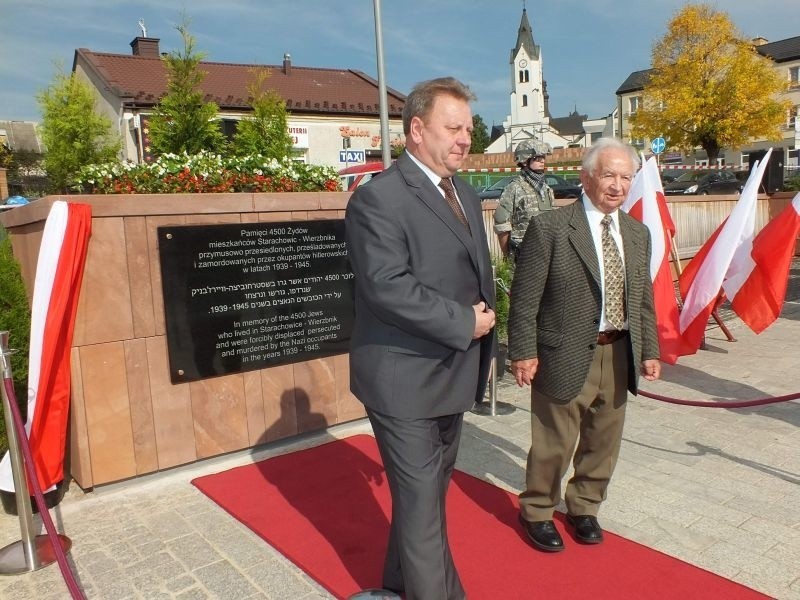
<point x="207" y="172"/>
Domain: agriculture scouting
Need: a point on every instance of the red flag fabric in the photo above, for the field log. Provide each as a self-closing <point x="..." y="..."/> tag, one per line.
<point x="59" y="273"/>
<point x="757" y="295"/>
<point x="646" y="203"/>
<point x="701" y="282"/>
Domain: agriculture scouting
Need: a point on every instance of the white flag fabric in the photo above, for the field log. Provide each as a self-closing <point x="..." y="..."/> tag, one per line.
<point x="59" y="273"/>
<point x="718" y="260"/>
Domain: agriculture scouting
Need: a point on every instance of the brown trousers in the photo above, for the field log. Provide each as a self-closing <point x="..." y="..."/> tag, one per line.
<point x="594" y="419"/>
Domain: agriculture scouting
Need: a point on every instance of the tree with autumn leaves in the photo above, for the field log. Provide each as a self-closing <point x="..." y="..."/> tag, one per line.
<point x="709" y="87"/>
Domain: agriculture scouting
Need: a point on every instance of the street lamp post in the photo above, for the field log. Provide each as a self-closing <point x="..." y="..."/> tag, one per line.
<point x="384" y="109"/>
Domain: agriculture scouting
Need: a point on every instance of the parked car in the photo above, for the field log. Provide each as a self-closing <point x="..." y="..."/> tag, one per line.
<point x="560" y="187"/>
<point x="668" y="177"/>
<point x="703" y="182"/>
<point x="742" y="177"/>
<point x="494" y="191"/>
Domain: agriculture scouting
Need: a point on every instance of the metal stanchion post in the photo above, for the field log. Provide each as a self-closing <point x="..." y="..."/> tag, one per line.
<point x="31" y="552"/>
<point x="494" y="407"/>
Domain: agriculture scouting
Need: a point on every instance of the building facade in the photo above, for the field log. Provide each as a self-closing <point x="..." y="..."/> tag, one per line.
<point x="785" y="55"/>
<point x="333" y="114"/>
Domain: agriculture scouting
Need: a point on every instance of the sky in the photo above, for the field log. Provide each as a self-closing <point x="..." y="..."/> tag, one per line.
<point x="589" y="47"/>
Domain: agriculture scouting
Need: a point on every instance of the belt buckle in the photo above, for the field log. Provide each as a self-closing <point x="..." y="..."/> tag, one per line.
<point x="608" y="337"/>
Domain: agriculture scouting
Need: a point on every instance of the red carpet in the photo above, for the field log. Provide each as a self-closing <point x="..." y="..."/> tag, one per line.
<point x="326" y="509"/>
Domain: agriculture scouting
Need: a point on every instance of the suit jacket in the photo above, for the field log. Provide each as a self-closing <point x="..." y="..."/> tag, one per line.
<point x="556" y="299"/>
<point x="418" y="271"/>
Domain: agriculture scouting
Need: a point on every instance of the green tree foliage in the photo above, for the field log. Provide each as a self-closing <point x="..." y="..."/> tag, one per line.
<point x="15" y="317"/>
<point x="266" y="131"/>
<point x="74" y="134"/>
<point x="183" y="121"/>
<point x="709" y="87"/>
<point x="480" y="135"/>
<point x="6" y="157"/>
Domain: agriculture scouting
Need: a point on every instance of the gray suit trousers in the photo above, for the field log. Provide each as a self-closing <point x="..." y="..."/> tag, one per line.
<point x="417" y="453"/>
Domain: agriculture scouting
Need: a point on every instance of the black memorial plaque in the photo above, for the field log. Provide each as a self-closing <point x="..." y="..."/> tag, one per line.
<point x="248" y="296"/>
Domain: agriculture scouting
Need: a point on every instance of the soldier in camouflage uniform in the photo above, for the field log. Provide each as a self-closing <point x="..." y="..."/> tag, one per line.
<point x="522" y="199"/>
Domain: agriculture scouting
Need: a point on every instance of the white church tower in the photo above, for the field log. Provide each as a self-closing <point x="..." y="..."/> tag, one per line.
<point x="530" y="116"/>
<point x="527" y="82"/>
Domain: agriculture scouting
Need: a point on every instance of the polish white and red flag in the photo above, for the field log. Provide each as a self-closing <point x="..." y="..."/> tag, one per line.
<point x="718" y="260"/>
<point x="59" y="272"/>
<point x="757" y="288"/>
<point x="646" y="203"/>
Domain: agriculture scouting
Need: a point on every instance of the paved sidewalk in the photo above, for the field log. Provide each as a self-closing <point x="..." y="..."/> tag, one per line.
<point x="715" y="487"/>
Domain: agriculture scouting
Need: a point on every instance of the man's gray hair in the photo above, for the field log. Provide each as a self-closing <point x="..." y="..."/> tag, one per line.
<point x="590" y="157"/>
<point x="420" y="101"/>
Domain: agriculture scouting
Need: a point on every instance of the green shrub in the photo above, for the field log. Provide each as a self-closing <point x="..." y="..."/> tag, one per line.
<point x="502" y="274"/>
<point x="792" y="184"/>
<point x="15" y="317"/>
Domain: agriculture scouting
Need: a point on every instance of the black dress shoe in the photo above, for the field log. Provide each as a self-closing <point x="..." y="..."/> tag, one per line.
<point x="543" y="535"/>
<point x="587" y="529"/>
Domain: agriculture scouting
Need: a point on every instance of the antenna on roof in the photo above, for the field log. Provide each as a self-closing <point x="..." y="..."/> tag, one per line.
<point x="143" y="28"/>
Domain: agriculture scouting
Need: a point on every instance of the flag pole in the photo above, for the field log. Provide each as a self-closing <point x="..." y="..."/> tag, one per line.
<point x="676" y="260"/>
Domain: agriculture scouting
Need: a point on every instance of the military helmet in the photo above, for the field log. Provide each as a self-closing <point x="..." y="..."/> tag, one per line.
<point x="527" y="149"/>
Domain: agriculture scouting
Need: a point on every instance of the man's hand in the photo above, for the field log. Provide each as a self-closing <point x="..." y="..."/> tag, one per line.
<point x="484" y="320"/>
<point x="524" y="370"/>
<point x="651" y="369"/>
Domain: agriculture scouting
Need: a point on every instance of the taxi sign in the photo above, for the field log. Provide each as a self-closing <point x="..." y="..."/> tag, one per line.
<point x="352" y="156"/>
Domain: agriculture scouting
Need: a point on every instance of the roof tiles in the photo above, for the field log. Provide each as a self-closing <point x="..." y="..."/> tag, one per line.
<point x="142" y="81"/>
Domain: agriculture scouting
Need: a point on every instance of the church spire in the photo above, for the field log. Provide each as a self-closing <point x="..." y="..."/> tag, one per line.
<point x="525" y="38"/>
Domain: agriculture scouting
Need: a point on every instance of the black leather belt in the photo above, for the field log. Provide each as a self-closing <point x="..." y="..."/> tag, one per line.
<point x="611" y="336"/>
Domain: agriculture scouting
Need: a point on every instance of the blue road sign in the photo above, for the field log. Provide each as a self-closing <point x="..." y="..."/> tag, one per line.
<point x="658" y="145"/>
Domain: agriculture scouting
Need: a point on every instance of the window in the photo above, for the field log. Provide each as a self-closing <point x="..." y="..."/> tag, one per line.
<point x="524" y="76"/>
<point x="794" y="76"/>
<point x="524" y="100"/>
<point x="634" y="101"/>
<point x="229" y="127"/>
<point x="793" y="116"/>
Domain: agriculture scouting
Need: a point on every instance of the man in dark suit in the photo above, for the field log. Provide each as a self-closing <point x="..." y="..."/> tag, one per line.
<point x="582" y="328"/>
<point x="423" y="333"/>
